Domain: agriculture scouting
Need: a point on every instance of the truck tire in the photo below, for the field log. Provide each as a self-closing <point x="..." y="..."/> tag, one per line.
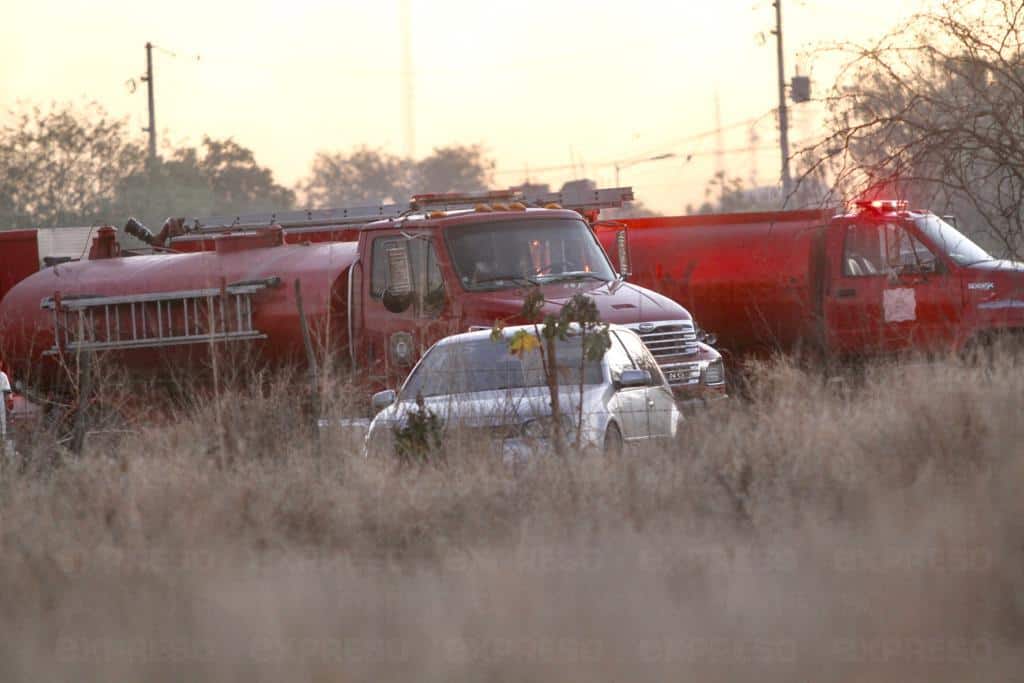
<point x="613" y="440"/>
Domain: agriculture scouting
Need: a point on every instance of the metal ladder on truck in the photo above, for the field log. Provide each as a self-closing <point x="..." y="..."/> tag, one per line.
<point x="577" y="199"/>
<point x="155" y="320"/>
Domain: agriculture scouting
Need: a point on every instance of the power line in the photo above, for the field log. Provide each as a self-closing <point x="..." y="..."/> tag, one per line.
<point x="609" y="164"/>
<point x="172" y="53"/>
<point x="713" y="132"/>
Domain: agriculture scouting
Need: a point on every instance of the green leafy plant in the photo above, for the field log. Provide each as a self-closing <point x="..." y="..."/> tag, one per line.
<point x="418" y="441"/>
<point x="580" y="314"/>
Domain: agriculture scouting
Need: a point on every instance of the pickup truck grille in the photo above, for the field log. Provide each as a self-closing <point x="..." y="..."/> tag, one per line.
<point x="668" y="340"/>
<point x="671" y="343"/>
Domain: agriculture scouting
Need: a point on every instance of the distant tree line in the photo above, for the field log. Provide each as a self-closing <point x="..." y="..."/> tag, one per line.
<point x="70" y="165"/>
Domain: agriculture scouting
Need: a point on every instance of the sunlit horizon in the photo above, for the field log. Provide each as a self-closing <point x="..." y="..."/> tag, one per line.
<point x="551" y="91"/>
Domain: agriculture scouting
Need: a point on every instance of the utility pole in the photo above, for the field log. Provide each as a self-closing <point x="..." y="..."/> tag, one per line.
<point x="152" y="111"/>
<point x="787" y="182"/>
<point x="719" y="140"/>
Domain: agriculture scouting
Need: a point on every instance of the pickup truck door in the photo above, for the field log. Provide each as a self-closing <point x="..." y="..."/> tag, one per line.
<point x="853" y="302"/>
<point x="891" y="292"/>
<point x="937" y="294"/>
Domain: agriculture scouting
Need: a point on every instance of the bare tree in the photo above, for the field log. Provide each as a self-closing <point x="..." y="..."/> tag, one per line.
<point x="934" y="112"/>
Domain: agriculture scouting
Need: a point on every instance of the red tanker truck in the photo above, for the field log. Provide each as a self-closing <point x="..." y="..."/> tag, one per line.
<point x="379" y="284"/>
<point x="881" y="279"/>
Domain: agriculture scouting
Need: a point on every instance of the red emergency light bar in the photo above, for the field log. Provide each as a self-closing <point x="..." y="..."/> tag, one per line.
<point x="882" y="205"/>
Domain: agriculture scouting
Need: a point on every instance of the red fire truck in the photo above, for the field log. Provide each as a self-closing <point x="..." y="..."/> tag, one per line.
<point x="880" y="279"/>
<point x="379" y="284"/>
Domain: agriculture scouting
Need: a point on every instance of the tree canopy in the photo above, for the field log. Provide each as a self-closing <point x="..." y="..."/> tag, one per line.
<point x="369" y="175"/>
<point x="220" y="177"/>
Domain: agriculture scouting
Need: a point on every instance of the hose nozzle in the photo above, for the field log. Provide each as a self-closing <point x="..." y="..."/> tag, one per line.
<point x="139" y="231"/>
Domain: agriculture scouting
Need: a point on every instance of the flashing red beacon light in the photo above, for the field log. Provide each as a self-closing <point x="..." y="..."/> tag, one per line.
<point x="882" y="205"/>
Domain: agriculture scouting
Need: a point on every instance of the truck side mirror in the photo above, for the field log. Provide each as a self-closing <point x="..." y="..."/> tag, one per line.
<point x="382" y="399"/>
<point x="398" y="276"/>
<point x="634" y="377"/>
<point x="622" y="243"/>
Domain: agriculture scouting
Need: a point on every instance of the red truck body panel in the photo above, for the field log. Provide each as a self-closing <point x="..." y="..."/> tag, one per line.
<point x="20" y="249"/>
<point x="746" y="277"/>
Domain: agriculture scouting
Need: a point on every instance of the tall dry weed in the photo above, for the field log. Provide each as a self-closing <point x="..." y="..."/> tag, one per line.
<point x="837" y="529"/>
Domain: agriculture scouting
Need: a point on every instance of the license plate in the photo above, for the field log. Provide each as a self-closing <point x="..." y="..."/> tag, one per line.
<point x="677" y="375"/>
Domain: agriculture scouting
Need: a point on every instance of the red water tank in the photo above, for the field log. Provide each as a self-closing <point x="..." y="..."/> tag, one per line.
<point x="152" y="309"/>
<point x="747" y="277"/>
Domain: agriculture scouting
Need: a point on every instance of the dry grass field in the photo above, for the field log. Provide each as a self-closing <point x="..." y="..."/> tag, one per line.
<point x="859" y="529"/>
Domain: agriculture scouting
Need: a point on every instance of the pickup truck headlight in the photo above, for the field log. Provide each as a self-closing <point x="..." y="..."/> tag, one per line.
<point x="714" y="372"/>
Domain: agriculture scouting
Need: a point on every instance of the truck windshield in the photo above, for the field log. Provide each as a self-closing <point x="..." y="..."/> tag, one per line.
<point x="487" y="365"/>
<point x="950" y="240"/>
<point x="501" y="254"/>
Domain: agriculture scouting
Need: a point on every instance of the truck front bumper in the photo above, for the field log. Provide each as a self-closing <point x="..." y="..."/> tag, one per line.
<point x="699" y="396"/>
<point x="693" y="386"/>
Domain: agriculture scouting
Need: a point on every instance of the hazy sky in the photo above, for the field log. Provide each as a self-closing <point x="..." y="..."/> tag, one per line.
<point x="537" y="83"/>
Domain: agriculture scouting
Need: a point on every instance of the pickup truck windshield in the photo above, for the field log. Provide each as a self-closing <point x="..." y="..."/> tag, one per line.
<point x="502" y="254"/>
<point x="486" y="365"/>
<point x="950" y="240"/>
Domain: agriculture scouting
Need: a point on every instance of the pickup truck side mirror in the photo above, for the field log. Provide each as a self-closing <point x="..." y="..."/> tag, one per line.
<point x="705" y="337"/>
<point x="634" y="378"/>
<point x="382" y="399"/>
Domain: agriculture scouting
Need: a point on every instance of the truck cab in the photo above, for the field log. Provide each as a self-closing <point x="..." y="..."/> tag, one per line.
<point x="879" y="279"/>
<point x="902" y="280"/>
<point x="425" y="276"/>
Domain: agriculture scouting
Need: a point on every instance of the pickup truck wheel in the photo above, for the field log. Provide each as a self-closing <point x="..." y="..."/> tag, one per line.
<point x="613" y="440"/>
